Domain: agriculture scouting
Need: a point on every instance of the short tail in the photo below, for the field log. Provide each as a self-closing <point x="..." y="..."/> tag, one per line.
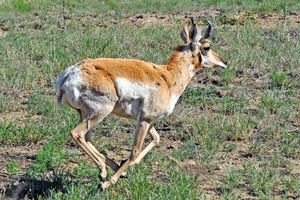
<point x="59" y="84"/>
<point x="59" y="97"/>
<point x="58" y="88"/>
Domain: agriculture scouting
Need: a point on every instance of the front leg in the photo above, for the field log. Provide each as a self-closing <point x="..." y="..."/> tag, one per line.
<point x="155" y="141"/>
<point x="139" y="137"/>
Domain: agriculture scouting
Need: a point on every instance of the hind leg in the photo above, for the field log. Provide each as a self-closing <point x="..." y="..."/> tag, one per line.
<point x="82" y="136"/>
<point x="112" y="164"/>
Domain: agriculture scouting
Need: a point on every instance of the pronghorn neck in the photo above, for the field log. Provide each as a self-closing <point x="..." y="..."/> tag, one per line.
<point x="183" y="64"/>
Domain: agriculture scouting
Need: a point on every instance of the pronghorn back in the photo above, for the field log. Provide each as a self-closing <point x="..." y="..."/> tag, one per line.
<point x="124" y="82"/>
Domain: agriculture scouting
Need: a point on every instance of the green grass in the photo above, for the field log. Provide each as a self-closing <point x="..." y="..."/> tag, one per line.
<point x="233" y="135"/>
<point x="134" y="6"/>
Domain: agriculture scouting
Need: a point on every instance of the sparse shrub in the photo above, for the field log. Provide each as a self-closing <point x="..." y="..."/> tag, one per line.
<point x="227" y="76"/>
<point x="24" y="6"/>
<point x="111" y="4"/>
<point x="278" y="79"/>
<point x="229" y="146"/>
<point x="255" y="148"/>
<point x="12" y="167"/>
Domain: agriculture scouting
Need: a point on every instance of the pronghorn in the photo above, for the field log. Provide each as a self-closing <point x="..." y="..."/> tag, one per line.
<point x="134" y="89"/>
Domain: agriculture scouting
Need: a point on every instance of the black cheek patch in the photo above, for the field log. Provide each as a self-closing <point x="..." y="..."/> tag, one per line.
<point x="200" y="58"/>
<point x="224" y="61"/>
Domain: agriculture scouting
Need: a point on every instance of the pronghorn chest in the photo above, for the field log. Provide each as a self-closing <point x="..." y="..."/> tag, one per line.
<point x="169" y="110"/>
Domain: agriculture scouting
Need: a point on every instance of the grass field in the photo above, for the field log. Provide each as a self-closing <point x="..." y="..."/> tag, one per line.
<point x="234" y="134"/>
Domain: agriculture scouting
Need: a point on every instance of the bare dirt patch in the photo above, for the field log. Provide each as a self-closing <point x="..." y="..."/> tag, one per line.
<point x="265" y="21"/>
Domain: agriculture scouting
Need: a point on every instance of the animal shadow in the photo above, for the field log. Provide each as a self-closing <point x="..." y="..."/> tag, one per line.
<point x="34" y="188"/>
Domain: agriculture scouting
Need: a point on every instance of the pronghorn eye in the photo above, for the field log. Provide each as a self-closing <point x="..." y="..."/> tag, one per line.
<point x="206" y="48"/>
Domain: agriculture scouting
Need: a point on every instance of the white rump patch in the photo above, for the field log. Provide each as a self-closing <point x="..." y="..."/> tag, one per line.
<point x="70" y="82"/>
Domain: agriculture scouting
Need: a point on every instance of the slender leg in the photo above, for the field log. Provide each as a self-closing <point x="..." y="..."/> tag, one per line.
<point x="155" y="142"/>
<point x="82" y="136"/>
<point x="78" y="135"/>
<point x="112" y="164"/>
<point x="139" y="137"/>
<point x="88" y="138"/>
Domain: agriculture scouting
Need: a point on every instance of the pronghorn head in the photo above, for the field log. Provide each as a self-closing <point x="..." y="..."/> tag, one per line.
<point x="200" y="45"/>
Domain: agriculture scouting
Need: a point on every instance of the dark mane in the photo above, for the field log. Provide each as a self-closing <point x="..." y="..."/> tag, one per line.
<point x="181" y="48"/>
<point x="176" y="55"/>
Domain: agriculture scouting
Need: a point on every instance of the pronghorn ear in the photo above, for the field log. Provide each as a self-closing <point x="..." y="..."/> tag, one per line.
<point x="195" y="31"/>
<point x="185" y="34"/>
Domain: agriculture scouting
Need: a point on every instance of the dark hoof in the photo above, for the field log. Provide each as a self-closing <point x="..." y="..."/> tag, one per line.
<point x="122" y="162"/>
<point x="102" y="179"/>
<point x="124" y="176"/>
<point x="100" y="187"/>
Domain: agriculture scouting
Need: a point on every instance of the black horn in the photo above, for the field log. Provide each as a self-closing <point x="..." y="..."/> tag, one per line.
<point x="209" y="31"/>
<point x="195" y="31"/>
<point x="193" y="20"/>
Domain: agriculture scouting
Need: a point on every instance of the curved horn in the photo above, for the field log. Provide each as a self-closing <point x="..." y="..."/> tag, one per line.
<point x="209" y="31"/>
<point x="195" y="31"/>
<point x="193" y="20"/>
